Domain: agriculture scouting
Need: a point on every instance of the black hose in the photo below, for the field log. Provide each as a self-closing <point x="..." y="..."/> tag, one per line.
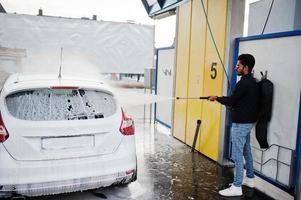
<point x="266" y="21"/>
<point x="217" y="51"/>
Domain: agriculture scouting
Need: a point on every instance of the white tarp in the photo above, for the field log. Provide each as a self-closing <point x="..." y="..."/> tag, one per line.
<point x="88" y="45"/>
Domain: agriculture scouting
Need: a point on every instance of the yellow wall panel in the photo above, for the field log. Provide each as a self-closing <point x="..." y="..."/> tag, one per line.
<point x="213" y="79"/>
<point x="199" y="73"/>
<point x="196" y="69"/>
<point x="182" y="67"/>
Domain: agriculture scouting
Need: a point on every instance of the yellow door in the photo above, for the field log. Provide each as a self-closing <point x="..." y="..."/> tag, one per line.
<point x="182" y="65"/>
<point x="213" y="79"/>
<point x="199" y="73"/>
<point x="196" y="70"/>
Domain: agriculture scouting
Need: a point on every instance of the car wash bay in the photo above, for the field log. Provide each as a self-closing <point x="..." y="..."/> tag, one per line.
<point x="166" y="170"/>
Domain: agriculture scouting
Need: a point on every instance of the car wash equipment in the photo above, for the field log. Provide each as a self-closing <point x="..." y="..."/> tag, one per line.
<point x="198" y="124"/>
<point x="265" y="91"/>
<point x="192" y="98"/>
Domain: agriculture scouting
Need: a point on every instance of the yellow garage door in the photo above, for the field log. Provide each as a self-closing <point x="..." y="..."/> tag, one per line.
<point x="182" y="66"/>
<point x="196" y="71"/>
<point x="199" y="73"/>
<point x="213" y="79"/>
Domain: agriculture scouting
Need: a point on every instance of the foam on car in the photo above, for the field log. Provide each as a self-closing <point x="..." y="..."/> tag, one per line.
<point x="48" y="104"/>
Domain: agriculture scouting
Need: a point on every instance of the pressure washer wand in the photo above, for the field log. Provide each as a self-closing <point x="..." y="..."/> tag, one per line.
<point x="192" y="98"/>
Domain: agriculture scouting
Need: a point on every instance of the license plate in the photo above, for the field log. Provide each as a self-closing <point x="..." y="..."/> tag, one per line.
<point x="67" y="142"/>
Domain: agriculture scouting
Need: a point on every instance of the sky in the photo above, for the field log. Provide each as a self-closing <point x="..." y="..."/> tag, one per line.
<point x="107" y="10"/>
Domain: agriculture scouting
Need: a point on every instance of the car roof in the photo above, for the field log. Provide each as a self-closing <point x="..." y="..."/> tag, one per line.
<point x="28" y="81"/>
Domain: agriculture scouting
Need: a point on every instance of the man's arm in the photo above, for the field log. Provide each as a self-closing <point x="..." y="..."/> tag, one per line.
<point x="231" y="100"/>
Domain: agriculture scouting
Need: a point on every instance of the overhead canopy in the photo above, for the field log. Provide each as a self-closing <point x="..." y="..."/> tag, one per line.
<point x="157" y="7"/>
<point x="2" y="9"/>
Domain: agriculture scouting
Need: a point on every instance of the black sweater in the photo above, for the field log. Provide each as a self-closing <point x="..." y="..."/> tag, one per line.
<point x="243" y="101"/>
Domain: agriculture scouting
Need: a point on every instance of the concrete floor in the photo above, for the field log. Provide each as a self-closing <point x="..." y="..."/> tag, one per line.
<point x="166" y="170"/>
<point x="176" y="173"/>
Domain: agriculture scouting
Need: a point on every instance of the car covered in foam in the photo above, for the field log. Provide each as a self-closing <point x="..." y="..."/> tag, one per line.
<point x="62" y="134"/>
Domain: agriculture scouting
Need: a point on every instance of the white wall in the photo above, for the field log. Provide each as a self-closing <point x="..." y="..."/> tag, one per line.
<point x="284" y="16"/>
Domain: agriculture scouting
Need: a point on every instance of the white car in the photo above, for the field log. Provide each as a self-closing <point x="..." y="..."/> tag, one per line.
<point x="61" y="135"/>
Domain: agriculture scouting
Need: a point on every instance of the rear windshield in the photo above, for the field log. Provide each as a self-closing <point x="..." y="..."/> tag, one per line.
<point x="60" y="104"/>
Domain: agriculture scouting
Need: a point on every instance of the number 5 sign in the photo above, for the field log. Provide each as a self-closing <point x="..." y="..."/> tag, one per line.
<point x="213" y="69"/>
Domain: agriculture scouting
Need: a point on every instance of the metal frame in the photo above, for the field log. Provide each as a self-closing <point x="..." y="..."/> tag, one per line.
<point x="297" y="157"/>
<point x="175" y="72"/>
<point x="156" y="86"/>
<point x="161" y="6"/>
<point x="262" y="163"/>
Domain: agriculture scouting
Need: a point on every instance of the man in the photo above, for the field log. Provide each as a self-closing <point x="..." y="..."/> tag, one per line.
<point x="243" y="103"/>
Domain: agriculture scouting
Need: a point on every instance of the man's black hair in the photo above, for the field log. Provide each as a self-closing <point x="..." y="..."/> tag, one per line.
<point x="247" y="60"/>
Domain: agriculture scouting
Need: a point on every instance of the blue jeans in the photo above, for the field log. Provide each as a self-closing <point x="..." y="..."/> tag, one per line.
<point x="240" y="138"/>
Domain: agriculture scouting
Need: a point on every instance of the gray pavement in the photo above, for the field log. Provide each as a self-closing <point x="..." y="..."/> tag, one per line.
<point x="166" y="170"/>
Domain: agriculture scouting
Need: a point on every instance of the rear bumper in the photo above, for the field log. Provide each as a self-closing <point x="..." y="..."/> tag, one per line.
<point x="35" y="178"/>
<point x="66" y="186"/>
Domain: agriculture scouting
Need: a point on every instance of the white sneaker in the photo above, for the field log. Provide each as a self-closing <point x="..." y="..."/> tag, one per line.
<point x="231" y="191"/>
<point x="249" y="182"/>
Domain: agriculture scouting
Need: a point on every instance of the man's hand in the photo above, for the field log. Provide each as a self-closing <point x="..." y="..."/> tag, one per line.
<point x="212" y="98"/>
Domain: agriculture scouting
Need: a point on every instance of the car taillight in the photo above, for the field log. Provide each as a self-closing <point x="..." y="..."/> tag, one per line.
<point x="3" y="133"/>
<point x="127" y="125"/>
